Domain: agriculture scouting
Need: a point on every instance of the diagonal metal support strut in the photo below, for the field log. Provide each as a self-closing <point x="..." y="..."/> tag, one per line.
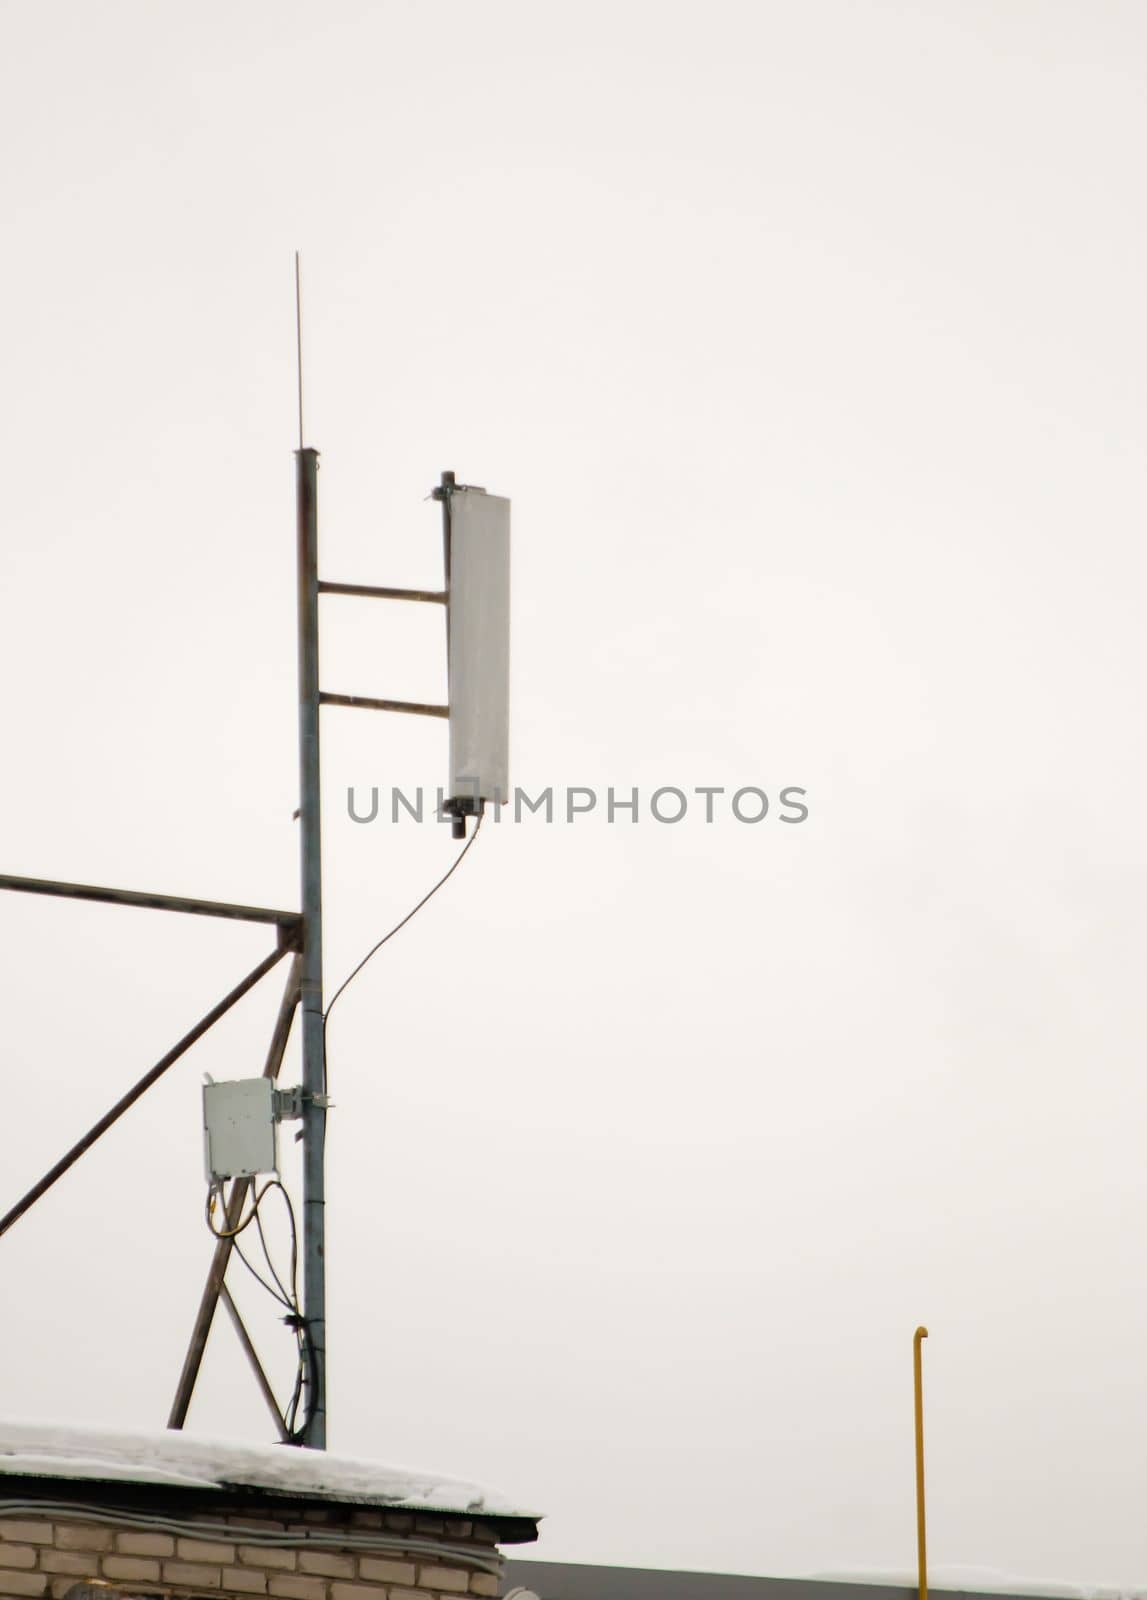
<point x="256" y="1365"/>
<point x="239" y="1192"/>
<point x="137" y="1089"/>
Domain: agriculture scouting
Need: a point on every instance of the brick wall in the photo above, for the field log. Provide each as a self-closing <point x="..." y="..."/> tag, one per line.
<point x="47" y="1557"/>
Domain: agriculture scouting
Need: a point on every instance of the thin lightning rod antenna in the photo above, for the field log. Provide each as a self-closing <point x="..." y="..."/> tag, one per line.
<point x="299" y="341"/>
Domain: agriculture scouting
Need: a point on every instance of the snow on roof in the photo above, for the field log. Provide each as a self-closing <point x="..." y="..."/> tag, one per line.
<point x="47" y="1451"/>
<point x="986" y="1580"/>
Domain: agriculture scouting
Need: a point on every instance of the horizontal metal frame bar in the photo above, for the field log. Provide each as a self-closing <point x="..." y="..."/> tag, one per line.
<point x="368" y="591"/>
<point x="362" y="702"/>
<point x="152" y="902"/>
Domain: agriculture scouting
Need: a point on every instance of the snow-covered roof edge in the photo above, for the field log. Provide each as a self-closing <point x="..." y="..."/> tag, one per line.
<point x="186" y="1461"/>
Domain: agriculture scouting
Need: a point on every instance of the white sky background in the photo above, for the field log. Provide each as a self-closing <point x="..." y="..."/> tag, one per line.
<point x="808" y="342"/>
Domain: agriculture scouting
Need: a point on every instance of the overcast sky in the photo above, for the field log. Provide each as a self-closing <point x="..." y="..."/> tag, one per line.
<point x="808" y="342"/>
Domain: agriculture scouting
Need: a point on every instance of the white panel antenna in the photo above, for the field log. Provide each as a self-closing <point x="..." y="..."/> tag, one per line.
<point x="478" y="567"/>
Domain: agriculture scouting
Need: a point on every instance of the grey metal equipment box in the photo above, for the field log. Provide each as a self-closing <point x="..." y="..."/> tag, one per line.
<point x="240" y="1134"/>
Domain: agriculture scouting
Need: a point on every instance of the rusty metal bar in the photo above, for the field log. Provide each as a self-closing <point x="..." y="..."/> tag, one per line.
<point x="153" y="902"/>
<point x="368" y="591"/>
<point x="256" y="1365"/>
<point x="361" y="702"/>
<point x="134" y="1093"/>
<point x="223" y="1247"/>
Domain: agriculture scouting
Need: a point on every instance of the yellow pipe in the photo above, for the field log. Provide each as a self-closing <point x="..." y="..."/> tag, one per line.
<point x="921" y="1546"/>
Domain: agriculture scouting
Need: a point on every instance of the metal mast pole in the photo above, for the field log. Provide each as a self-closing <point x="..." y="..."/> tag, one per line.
<point x="311" y="980"/>
<point x="921" y="1537"/>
